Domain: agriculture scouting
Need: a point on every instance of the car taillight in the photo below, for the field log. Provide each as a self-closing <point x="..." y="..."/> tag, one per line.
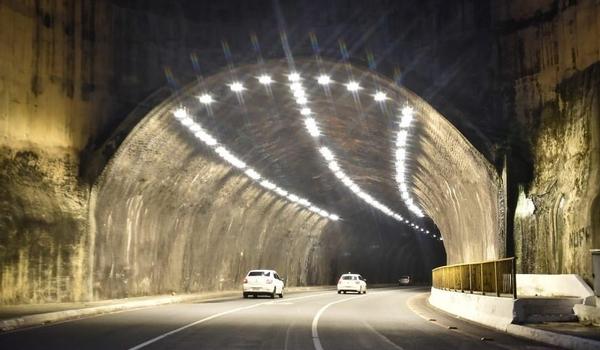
<point x="269" y="281"/>
<point x="245" y="280"/>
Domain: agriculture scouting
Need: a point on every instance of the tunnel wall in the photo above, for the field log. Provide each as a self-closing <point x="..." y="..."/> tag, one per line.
<point x="552" y="71"/>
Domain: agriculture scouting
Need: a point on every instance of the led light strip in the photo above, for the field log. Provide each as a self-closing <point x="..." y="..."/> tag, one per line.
<point x="401" y="152"/>
<point x="183" y="117"/>
<point x="312" y="127"/>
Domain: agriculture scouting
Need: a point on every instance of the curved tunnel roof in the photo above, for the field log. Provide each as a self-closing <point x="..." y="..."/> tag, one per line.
<point x="264" y="127"/>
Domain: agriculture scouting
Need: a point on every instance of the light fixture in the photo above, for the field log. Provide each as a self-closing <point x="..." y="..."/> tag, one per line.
<point x="326" y="152"/>
<point x="380" y="96"/>
<point x="236" y="86"/>
<point x="301" y="100"/>
<point x="312" y="127"/>
<point x="206" y="99"/>
<point x="353" y="86"/>
<point x="182" y="116"/>
<point x="305" y="111"/>
<point x="294" y="77"/>
<point x="324" y="79"/>
<point x="265" y="79"/>
<point x="252" y="174"/>
<point x="180" y="113"/>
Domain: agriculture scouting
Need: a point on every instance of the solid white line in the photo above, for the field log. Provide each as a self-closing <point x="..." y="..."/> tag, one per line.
<point x="162" y="336"/>
<point x="315" y="322"/>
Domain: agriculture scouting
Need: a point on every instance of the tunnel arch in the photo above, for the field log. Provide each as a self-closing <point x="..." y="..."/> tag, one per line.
<point x="167" y="214"/>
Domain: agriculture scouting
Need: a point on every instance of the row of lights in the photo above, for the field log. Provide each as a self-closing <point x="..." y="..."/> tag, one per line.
<point x="401" y="139"/>
<point x="312" y="127"/>
<point x="184" y="118"/>
<point x="294" y="78"/>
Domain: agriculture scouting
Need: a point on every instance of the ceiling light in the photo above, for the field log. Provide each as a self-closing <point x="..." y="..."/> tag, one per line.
<point x="301" y="100"/>
<point x="236" y="86"/>
<point x="326" y="152"/>
<point x="267" y="184"/>
<point x="305" y="111"/>
<point x="206" y="99"/>
<point x="333" y="165"/>
<point x="353" y="86"/>
<point x="252" y="174"/>
<point x="312" y="127"/>
<point x="296" y="86"/>
<point x="180" y="113"/>
<point x="265" y="79"/>
<point x="294" y="76"/>
<point x="380" y="96"/>
<point x="323" y="79"/>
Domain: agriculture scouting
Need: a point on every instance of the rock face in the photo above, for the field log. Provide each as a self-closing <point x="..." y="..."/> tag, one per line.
<point x="552" y="55"/>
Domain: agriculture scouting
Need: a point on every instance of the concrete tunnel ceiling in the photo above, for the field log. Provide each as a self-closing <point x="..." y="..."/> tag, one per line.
<point x="264" y="126"/>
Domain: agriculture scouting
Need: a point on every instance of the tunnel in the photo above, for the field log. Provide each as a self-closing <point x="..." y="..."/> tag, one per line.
<point x="169" y="213"/>
<point x="441" y="155"/>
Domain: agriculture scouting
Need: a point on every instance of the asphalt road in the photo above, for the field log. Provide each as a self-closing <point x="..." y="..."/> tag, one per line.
<point x="394" y="318"/>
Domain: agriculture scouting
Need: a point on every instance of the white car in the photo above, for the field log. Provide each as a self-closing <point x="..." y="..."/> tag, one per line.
<point x="263" y="282"/>
<point x="352" y="282"/>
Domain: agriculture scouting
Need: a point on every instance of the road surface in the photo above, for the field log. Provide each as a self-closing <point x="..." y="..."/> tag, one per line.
<point x="392" y="318"/>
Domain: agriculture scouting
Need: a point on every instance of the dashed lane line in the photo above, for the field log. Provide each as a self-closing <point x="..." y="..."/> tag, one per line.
<point x="315" y="322"/>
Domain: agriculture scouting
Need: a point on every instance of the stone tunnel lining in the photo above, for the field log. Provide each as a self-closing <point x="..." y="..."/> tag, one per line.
<point x="164" y="198"/>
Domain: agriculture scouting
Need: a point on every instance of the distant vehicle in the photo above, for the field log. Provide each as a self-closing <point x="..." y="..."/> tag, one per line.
<point x="263" y="282"/>
<point x="404" y="281"/>
<point x="352" y="282"/>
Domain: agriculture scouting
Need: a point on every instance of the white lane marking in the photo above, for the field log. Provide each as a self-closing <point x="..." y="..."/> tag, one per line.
<point x="315" y="322"/>
<point x="162" y="336"/>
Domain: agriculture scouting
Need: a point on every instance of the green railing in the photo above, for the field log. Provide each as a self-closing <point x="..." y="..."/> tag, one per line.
<point x="496" y="277"/>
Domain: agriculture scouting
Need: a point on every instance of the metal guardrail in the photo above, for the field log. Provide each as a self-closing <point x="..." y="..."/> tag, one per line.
<point x="496" y="277"/>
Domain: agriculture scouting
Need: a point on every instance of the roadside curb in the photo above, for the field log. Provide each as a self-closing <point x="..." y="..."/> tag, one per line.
<point x="539" y="335"/>
<point x="65" y="315"/>
<point x="551" y="338"/>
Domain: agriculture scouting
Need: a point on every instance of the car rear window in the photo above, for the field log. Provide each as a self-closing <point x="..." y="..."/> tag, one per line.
<point x="258" y="273"/>
<point x="348" y="277"/>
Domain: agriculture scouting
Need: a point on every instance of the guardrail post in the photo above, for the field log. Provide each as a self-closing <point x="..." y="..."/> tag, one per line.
<point x="471" y="278"/>
<point x="496" y="278"/>
<point x="513" y="273"/>
<point x="481" y="275"/>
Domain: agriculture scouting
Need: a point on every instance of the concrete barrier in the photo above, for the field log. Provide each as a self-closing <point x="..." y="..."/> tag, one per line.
<point x="567" y="285"/>
<point x="491" y="311"/>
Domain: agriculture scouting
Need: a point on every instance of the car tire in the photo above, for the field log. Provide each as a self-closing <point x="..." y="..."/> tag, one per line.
<point x="344" y="292"/>
<point x="245" y="295"/>
<point x="365" y="291"/>
<point x="273" y="294"/>
<point x="339" y="292"/>
<point x="281" y="294"/>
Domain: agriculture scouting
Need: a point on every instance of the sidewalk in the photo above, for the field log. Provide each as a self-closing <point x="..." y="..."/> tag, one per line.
<point x="21" y="316"/>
